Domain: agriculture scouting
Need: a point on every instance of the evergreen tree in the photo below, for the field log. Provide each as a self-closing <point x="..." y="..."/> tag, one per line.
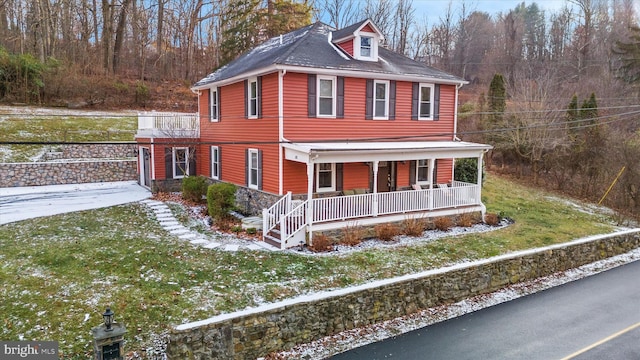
<point x="248" y="23"/>
<point x="497" y="99"/>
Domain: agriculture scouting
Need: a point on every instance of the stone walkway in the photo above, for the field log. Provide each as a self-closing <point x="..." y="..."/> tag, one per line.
<point x="171" y="225"/>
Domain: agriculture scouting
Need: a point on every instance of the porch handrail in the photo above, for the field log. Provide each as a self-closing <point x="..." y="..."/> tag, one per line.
<point x="359" y="206"/>
<point x="271" y="216"/>
<point x="293" y="221"/>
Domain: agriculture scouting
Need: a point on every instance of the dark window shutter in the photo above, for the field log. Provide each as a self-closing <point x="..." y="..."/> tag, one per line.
<point x="259" y="169"/>
<point x="392" y="100"/>
<point x="211" y="161"/>
<point x="436" y="102"/>
<point x="259" y="90"/>
<point x="246" y="167"/>
<point x="219" y="163"/>
<point x="219" y="103"/>
<point x="311" y="94"/>
<point x="339" y="176"/>
<point x="209" y="104"/>
<point x="168" y="163"/>
<point x="368" y="112"/>
<point x="192" y="161"/>
<point x="415" y="96"/>
<point x="246" y="99"/>
<point x="412" y="172"/>
<point x="340" y="98"/>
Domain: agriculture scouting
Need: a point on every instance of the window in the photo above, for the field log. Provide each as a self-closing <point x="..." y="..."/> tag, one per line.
<point x="422" y="171"/>
<point x="365" y="46"/>
<point x="425" y="105"/>
<point x="215" y="162"/>
<point x="381" y="100"/>
<point x="325" y="177"/>
<point x="326" y="96"/>
<point x="180" y="162"/>
<point x="213" y="101"/>
<point x="252" y="96"/>
<point x="254" y="169"/>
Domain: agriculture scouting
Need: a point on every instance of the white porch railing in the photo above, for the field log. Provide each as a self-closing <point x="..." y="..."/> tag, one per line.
<point x="293" y="222"/>
<point x="168" y="124"/>
<point x="271" y="216"/>
<point x="291" y="216"/>
<point x="396" y="202"/>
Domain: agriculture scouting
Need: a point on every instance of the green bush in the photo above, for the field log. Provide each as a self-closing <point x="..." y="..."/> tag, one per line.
<point x="194" y="188"/>
<point x="466" y="170"/>
<point x="221" y="198"/>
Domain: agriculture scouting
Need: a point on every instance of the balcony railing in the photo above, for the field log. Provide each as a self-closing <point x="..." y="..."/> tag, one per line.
<point x="342" y="208"/>
<point x="168" y="125"/>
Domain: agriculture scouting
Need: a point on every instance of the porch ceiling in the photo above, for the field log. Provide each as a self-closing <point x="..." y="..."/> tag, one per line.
<point x="329" y="152"/>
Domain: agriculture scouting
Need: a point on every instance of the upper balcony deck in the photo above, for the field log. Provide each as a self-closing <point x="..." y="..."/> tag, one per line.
<point x="168" y="125"/>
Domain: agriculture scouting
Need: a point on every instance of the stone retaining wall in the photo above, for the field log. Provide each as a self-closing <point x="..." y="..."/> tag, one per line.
<point x="90" y="151"/>
<point x="256" y="332"/>
<point x="76" y="172"/>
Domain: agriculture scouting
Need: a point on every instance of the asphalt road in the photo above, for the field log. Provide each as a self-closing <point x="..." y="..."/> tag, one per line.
<point x="597" y="317"/>
<point x="31" y="202"/>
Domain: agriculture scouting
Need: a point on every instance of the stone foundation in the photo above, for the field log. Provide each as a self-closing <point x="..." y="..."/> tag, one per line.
<point x="252" y="333"/>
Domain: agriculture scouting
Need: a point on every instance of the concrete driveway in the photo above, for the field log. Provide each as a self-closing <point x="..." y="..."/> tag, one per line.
<point x="36" y="201"/>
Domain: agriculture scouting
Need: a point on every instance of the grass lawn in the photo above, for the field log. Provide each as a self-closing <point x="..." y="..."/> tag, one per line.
<point x="59" y="273"/>
<point x="18" y="127"/>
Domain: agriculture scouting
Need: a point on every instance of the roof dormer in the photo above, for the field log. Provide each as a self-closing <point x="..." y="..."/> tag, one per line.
<point x="359" y="40"/>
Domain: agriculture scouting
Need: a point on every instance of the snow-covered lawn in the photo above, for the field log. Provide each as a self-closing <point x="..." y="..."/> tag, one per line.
<point x="60" y="272"/>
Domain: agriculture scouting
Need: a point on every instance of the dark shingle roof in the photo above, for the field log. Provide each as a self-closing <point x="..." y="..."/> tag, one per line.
<point x="309" y="47"/>
<point x="349" y="30"/>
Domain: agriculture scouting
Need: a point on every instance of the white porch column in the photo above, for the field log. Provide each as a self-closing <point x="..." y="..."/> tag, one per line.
<point x="480" y="169"/>
<point x="310" y="201"/>
<point x="375" y="188"/>
<point x="432" y="163"/>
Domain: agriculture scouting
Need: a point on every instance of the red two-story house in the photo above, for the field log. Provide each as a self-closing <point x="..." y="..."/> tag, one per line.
<point x="322" y="128"/>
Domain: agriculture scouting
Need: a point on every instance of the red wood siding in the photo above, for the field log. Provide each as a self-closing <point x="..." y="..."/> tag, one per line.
<point x="203" y="106"/>
<point x="347" y="46"/>
<point x="402" y="174"/>
<point x="444" y="171"/>
<point x="367" y="28"/>
<point x="355" y="176"/>
<point x="233" y="127"/>
<point x="298" y="126"/>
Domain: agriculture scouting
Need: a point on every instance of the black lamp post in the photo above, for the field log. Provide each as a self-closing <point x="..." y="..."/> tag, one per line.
<point x="108" y="319"/>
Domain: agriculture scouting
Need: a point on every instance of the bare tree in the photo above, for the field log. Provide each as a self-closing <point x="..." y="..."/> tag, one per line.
<point x="341" y="13"/>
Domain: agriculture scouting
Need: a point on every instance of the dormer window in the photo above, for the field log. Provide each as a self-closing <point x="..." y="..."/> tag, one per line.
<point x="365" y="46"/>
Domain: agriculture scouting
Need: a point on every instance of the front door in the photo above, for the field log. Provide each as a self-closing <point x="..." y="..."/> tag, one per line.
<point x="386" y="176"/>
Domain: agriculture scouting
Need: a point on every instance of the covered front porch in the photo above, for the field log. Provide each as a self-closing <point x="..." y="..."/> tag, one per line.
<point x="290" y="222"/>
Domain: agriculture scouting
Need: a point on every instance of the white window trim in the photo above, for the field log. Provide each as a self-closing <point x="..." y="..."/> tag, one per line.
<point x="431" y="100"/>
<point x="213" y="115"/>
<point x="333" y="179"/>
<point x="386" y="100"/>
<point x="173" y="162"/>
<point x="375" y="39"/>
<point x="334" y="95"/>
<point x="249" y="83"/>
<point x="251" y="153"/>
<point x="422" y="182"/>
<point x="215" y="162"/>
